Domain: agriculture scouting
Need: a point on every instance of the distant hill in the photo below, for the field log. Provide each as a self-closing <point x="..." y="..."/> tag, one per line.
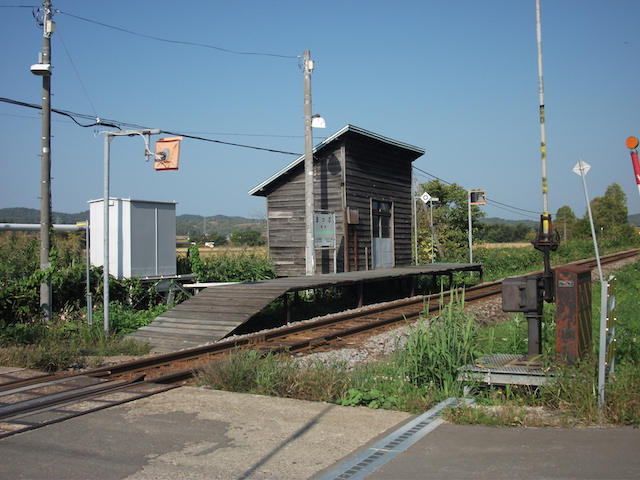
<point x="31" y="215"/>
<point x="188" y="224"/>
<point x="197" y="224"/>
<point x="185" y="224"/>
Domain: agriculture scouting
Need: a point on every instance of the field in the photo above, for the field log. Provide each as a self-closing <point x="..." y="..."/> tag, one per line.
<point x="226" y="251"/>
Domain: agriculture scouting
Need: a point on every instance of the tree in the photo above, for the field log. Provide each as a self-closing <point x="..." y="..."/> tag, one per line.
<point x="609" y="215"/>
<point x="250" y="238"/>
<point x="504" y="233"/>
<point x="565" y="222"/>
<point x="450" y="223"/>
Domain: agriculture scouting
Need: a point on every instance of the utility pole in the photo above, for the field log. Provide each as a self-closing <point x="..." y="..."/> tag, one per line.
<point x="43" y="69"/>
<point x="310" y="253"/>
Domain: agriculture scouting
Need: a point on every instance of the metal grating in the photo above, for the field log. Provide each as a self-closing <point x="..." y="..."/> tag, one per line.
<point x="505" y="369"/>
<point x="362" y="465"/>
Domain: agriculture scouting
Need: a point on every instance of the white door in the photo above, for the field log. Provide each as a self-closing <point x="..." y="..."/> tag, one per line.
<point x="382" y="234"/>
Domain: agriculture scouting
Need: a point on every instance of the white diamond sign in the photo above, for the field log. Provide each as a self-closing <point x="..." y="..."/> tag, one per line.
<point x="425" y="197"/>
<point x="581" y="168"/>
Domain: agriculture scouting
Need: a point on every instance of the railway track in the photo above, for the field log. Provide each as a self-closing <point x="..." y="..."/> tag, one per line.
<point x="28" y="403"/>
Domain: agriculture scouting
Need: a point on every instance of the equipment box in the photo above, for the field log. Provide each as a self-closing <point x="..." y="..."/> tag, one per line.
<point x="142" y="237"/>
<point x="573" y="312"/>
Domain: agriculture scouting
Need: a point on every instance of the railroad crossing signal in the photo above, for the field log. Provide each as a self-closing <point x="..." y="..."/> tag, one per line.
<point x="477" y="197"/>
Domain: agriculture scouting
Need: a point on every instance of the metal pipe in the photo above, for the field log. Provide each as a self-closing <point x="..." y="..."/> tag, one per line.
<point x="105" y="204"/>
<point x="34" y="227"/>
<point x="88" y="276"/>
<point x="470" y="226"/>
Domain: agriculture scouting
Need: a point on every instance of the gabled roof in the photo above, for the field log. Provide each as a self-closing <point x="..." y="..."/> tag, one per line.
<point x="327" y="141"/>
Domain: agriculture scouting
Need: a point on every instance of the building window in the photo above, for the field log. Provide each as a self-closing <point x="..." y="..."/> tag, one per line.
<point x="381" y="219"/>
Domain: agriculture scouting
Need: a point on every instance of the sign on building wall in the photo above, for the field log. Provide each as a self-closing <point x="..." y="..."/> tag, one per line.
<point x="324" y="229"/>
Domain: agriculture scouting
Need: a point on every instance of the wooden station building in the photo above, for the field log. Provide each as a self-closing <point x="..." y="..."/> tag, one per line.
<point x="362" y="190"/>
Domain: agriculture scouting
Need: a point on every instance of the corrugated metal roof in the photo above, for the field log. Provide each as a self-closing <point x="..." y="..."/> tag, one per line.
<point x="327" y="141"/>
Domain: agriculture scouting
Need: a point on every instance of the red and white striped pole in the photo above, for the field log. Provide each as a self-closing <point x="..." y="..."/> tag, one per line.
<point x="632" y="143"/>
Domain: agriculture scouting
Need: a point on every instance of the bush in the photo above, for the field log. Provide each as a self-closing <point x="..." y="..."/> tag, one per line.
<point x="228" y="267"/>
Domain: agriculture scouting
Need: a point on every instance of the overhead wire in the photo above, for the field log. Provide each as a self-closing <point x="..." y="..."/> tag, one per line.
<point x="180" y="42"/>
<point x="494" y="203"/>
<point x="116" y="124"/>
<point x="76" y="70"/>
<point x="119" y="125"/>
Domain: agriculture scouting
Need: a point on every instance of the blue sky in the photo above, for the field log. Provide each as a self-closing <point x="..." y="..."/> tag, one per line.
<point x="456" y="78"/>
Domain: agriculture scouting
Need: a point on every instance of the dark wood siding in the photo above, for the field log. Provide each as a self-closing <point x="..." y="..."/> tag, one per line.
<point x="377" y="171"/>
<point x="286" y="226"/>
<point x="286" y="212"/>
<point x="350" y="171"/>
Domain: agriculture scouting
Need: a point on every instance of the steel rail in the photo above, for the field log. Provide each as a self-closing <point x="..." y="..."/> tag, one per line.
<point x="60" y="398"/>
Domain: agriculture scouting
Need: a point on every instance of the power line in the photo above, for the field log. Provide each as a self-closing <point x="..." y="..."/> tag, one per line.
<point x="103" y="122"/>
<point x="178" y="41"/>
<point x="494" y="203"/>
<point x="77" y="73"/>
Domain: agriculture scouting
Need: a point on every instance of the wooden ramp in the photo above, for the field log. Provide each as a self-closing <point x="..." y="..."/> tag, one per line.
<point x="217" y="311"/>
<point x="208" y="316"/>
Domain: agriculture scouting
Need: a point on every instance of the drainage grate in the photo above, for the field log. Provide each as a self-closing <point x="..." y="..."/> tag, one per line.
<point x="376" y="456"/>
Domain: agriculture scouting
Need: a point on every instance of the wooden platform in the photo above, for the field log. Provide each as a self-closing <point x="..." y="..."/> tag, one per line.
<point x="217" y="312"/>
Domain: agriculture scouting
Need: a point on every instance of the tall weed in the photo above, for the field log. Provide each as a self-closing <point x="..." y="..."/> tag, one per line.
<point x="623" y="395"/>
<point x="251" y="371"/>
<point x="437" y="348"/>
